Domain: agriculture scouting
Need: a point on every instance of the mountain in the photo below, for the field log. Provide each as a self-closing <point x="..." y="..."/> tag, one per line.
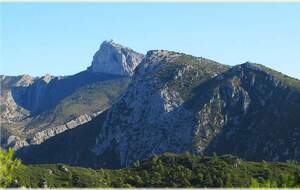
<point x="34" y="109"/>
<point x="115" y="59"/>
<point x="178" y="103"/>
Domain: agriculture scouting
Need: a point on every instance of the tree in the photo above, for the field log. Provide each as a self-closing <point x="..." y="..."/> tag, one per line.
<point x="8" y="165"/>
<point x="254" y="183"/>
<point x="286" y="180"/>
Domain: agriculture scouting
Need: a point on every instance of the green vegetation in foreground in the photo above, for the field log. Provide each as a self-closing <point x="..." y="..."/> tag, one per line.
<point x="7" y="166"/>
<point x="167" y="170"/>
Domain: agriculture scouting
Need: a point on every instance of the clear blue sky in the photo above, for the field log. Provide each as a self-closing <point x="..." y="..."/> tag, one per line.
<point x="61" y="38"/>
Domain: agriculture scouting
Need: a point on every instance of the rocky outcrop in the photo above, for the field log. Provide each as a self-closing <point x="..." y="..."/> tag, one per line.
<point x="113" y="58"/>
<point x="25" y="80"/>
<point x="10" y="111"/>
<point x="22" y="95"/>
<point x="15" y="142"/>
<point x="40" y="137"/>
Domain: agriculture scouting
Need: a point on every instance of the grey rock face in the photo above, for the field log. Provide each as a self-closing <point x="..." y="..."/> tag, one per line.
<point x="15" y="142"/>
<point x="40" y="137"/>
<point x="16" y="100"/>
<point x="113" y="58"/>
<point x="25" y="80"/>
<point x="10" y="110"/>
<point x="252" y="115"/>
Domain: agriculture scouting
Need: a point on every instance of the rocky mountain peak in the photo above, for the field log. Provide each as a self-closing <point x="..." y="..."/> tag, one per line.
<point x="162" y="54"/>
<point x="155" y="60"/>
<point x="47" y="78"/>
<point x="25" y="80"/>
<point x="252" y="66"/>
<point x="113" y="58"/>
<point x="113" y="44"/>
<point x="157" y="56"/>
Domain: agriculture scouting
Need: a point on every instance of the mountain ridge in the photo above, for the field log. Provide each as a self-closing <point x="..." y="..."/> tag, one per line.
<point x="30" y="105"/>
<point x="177" y="103"/>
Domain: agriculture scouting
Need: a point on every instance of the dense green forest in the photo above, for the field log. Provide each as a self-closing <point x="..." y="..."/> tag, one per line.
<point x="167" y="170"/>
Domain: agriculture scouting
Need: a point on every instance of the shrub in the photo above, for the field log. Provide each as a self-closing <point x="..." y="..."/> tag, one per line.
<point x="8" y="165"/>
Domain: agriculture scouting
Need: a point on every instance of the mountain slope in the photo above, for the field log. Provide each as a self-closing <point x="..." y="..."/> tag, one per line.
<point x="254" y="114"/>
<point x="96" y="94"/>
<point x="35" y="108"/>
<point x="151" y="111"/>
<point x="178" y="103"/>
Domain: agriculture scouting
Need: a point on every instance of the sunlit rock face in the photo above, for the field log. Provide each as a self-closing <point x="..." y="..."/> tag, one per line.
<point x="113" y="58"/>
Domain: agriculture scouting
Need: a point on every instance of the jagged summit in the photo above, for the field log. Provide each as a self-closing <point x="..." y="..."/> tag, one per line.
<point x="25" y="80"/>
<point x="47" y="77"/>
<point x="113" y="58"/>
<point x="253" y="66"/>
<point x="114" y="44"/>
<point x="159" y="55"/>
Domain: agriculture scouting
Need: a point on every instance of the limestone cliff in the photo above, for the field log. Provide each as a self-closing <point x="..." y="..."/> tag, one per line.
<point x="113" y="58"/>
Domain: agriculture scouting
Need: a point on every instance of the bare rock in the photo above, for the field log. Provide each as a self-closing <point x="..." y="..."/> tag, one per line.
<point x="113" y="58"/>
<point x="40" y="137"/>
<point x="15" y="142"/>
